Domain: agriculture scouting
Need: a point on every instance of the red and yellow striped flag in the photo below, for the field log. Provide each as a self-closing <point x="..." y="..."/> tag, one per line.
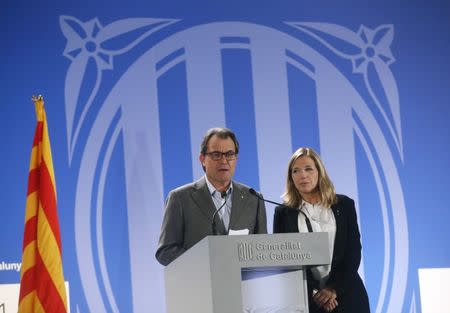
<point x="42" y="286"/>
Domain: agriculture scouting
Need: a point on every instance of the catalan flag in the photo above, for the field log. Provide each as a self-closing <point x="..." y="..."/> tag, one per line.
<point x="42" y="286"/>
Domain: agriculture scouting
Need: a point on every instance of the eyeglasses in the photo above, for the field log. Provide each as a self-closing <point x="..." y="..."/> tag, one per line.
<point x="217" y="155"/>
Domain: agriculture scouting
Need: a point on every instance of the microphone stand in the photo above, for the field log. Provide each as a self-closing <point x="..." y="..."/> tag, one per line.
<point x="213" y="224"/>
<point x="308" y="222"/>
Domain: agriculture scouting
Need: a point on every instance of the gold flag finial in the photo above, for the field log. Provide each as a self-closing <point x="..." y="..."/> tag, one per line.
<point x="39" y="107"/>
<point x="37" y="98"/>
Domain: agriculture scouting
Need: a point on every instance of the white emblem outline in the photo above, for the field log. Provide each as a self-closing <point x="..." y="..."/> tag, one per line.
<point x="393" y="180"/>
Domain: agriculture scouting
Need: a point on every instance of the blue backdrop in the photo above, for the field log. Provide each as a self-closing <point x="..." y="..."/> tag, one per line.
<point x="131" y="87"/>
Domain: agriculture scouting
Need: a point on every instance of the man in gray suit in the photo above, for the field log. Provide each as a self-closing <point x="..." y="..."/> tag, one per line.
<point x="190" y="209"/>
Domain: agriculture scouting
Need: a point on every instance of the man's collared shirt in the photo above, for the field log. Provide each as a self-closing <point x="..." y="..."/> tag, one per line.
<point x="216" y="196"/>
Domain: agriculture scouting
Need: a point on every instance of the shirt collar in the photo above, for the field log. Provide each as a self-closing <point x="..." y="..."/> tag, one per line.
<point x="310" y="208"/>
<point x="213" y="190"/>
<point x="305" y="204"/>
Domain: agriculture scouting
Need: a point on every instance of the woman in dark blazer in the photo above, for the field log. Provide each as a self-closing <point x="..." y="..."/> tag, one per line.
<point x="338" y="286"/>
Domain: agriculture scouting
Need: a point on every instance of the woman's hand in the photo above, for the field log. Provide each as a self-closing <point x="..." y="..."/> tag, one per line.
<point x="326" y="299"/>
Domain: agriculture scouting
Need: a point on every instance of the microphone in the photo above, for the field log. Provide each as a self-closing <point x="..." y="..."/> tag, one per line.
<point x="223" y="194"/>
<point x="308" y="222"/>
<point x="253" y="192"/>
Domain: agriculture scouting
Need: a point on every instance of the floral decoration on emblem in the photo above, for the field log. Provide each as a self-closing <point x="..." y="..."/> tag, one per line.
<point x="82" y="41"/>
<point x="374" y="47"/>
<point x="91" y="41"/>
<point x="369" y="51"/>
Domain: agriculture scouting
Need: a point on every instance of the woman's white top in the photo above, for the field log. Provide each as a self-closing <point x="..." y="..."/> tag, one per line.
<point x="322" y="220"/>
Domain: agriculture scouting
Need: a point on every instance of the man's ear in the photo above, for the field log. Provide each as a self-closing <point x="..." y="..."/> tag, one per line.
<point x="202" y="159"/>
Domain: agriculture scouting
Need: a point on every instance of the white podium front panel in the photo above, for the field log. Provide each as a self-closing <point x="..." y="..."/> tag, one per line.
<point x="274" y="291"/>
<point x="219" y="274"/>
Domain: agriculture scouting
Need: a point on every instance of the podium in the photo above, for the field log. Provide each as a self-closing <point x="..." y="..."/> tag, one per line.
<point x="235" y="274"/>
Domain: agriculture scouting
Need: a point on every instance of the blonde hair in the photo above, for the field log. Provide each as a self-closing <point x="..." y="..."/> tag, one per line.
<point x="326" y="191"/>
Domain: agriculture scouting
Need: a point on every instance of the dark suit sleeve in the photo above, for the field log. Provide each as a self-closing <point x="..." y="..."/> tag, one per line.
<point x="345" y="270"/>
<point x="261" y="223"/>
<point x="353" y="241"/>
<point x="172" y="231"/>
